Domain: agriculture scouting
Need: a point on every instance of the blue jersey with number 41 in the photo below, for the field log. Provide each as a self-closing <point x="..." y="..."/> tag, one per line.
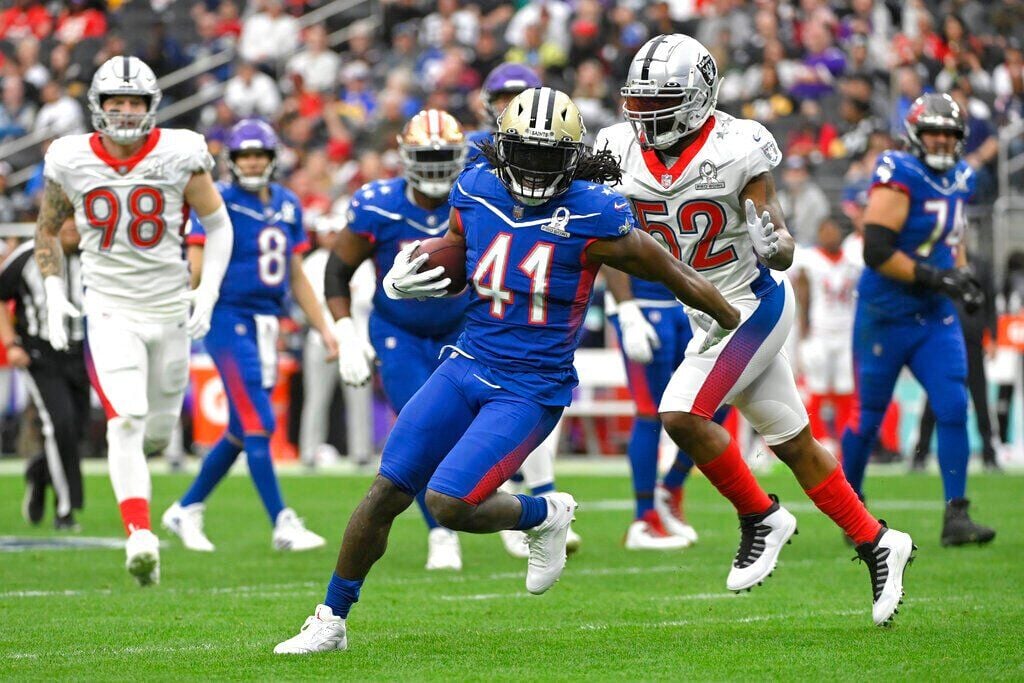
<point x="265" y="237"/>
<point x="931" y="233"/>
<point x="532" y="279"/>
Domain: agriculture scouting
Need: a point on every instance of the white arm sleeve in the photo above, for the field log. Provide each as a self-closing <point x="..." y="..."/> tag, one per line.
<point x="217" y="249"/>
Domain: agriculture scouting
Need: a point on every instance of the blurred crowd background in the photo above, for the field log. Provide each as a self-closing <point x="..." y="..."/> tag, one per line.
<point x="832" y="79"/>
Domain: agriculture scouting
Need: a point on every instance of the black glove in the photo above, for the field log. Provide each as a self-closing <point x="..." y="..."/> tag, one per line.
<point x="958" y="284"/>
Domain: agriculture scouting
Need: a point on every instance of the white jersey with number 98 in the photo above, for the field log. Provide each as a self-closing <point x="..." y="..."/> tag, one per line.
<point x="131" y="214"/>
<point x="693" y="207"/>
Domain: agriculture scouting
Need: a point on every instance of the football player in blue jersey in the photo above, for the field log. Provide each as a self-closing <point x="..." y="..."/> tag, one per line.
<point x="917" y="264"/>
<point x="536" y="224"/>
<point x="265" y="267"/>
<point x="503" y="83"/>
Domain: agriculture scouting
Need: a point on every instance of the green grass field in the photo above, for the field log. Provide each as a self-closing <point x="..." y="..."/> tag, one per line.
<point x="614" y="615"/>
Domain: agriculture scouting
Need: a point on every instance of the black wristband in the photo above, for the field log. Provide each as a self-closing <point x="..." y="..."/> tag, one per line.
<point x="927" y="275"/>
<point x="337" y="275"/>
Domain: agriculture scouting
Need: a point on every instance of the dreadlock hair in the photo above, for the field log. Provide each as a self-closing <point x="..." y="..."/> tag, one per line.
<point x="597" y="167"/>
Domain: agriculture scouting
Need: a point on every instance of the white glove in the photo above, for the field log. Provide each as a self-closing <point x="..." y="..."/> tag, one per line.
<point x="355" y="354"/>
<point x="762" y="232"/>
<point x="404" y="282"/>
<point x="715" y="332"/>
<point x="202" y="299"/>
<point x="639" y="339"/>
<point x="57" y="307"/>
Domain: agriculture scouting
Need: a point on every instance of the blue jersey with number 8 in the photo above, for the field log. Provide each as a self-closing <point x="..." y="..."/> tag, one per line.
<point x="265" y="237"/>
<point x="931" y="233"/>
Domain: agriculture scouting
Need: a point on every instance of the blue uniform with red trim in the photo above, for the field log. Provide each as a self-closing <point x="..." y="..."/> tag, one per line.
<point x="903" y="324"/>
<point x="506" y="381"/>
<point x="252" y="296"/>
<point x="407" y="335"/>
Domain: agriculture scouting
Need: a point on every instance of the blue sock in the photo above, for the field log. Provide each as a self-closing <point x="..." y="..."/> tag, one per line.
<point x="535" y="511"/>
<point x="677" y="474"/>
<point x="542" y="489"/>
<point x="261" y="469"/>
<point x="954" y="451"/>
<point x="215" y="465"/>
<point x="421" y="500"/>
<point x="643" y="460"/>
<point x="342" y="594"/>
<point x="857" y="447"/>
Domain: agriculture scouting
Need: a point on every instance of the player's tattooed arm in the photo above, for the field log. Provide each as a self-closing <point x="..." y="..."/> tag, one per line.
<point x="56" y="208"/>
<point x="350" y="250"/>
<point x="638" y="254"/>
<point x="761" y="191"/>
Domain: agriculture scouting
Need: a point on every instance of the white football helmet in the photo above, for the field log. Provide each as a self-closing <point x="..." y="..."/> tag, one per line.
<point x="123" y="75"/>
<point x="670" y="91"/>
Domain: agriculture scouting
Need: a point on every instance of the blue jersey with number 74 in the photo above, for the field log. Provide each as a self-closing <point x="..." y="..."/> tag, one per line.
<point x="931" y="234"/>
<point x="265" y="237"/>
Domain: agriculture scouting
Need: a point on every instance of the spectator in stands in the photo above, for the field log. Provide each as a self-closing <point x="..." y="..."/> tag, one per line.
<point x="269" y="35"/>
<point x="60" y="115"/>
<point x="316" y="63"/>
<point x="822" y="63"/>
<point x="535" y="51"/>
<point x="25" y="18"/>
<point x="856" y="120"/>
<point x="16" y="114"/>
<point x="586" y="43"/>
<point x="404" y="54"/>
<point x="464" y="21"/>
<point x="251" y="92"/>
<point x="113" y="45"/>
<point x="32" y="71"/>
<point x="591" y="96"/>
<point x="65" y="71"/>
<point x="1008" y="82"/>
<point x="79" y="21"/>
<point x="802" y="200"/>
<point x="210" y="42"/>
<point x="981" y="146"/>
<point x="14" y="205"/>
<point x="552" y="16"/>
<point x="228" y="23"/>
<point x="908" y="88"/>
<point x="358" y="100"/>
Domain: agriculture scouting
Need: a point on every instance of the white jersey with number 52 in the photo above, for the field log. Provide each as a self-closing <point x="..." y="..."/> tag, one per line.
<point x="693" y="208"/>
<point x="131" y="214"/>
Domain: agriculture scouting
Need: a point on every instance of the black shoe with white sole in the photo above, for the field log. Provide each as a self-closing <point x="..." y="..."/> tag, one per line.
<point x="887" y="558"/>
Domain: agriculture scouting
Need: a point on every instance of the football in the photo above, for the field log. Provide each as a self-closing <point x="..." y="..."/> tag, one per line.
<point x="452" y="257"/>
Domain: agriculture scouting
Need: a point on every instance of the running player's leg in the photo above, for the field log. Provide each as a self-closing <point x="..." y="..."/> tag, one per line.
<point x="116" y="361"/>
<point x="404" y="366"/>
<point x="879" y="353"/>
<point x="431" y="423"/>
<point x="945" y="384"/>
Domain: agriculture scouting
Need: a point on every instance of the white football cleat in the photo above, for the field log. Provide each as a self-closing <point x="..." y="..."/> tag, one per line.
<point x="143" y="557"/>
<point x="648" y="533"/>
<point x="322" y="632"/>
<point x="670" y="507"/>
<point x="516" y="543"/>
<point x="187" y="524"/>
<point x="547" y="543"/>
<point x="443" y="550"/>
<point x="291" y="534"/>
<point x="761" y="539"/>
<point x="887" y="558"/>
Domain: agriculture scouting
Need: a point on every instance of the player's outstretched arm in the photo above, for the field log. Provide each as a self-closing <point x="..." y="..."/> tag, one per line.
<point x="305" y="297"/>
<point x="56" y="208"/>
<point x="638" y="254"/>
<point x="355" y="353"/>
<point x="766" y="224"/>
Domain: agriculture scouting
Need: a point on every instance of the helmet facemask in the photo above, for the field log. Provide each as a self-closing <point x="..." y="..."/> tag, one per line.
<point x="936" y="161"/>
<point x="535" y="171"/>
<point x="252" y="183"/>
<point x="661" y="117"/>
<point x="122" y="127"/>
<point x="433" y="169"/>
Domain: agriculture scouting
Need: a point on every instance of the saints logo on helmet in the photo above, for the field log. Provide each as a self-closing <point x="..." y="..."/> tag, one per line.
<point x="433" y="150"/>
<point x="935" y="113"/>
<point x="539" y="144"/>
<point x="123" y="76"/>
<point x="671" y="90"/>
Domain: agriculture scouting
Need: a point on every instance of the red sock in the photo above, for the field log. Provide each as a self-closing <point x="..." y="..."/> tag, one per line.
<point x="818" y="429"/>
<point x="835" y="497"/>
<point x="134" y="514"/>
<point x="734" y="480"/>
<point x="843" y="406"/>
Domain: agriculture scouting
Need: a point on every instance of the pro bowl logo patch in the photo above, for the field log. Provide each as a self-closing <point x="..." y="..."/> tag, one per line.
<point x="709" y="176"/>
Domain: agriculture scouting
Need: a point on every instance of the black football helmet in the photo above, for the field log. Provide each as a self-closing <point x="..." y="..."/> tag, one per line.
<point x="935" y="112"/>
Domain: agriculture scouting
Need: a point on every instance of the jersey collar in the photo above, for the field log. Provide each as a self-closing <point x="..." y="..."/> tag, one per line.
<point x="123" y="166"/>
<point x="667" y="177"/>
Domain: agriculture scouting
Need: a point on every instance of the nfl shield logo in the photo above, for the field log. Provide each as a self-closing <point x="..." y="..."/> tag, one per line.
<point x="666" y="180"/>
<point x="517" y="212"/>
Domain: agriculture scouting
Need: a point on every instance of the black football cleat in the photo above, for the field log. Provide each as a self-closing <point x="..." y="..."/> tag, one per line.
<point x="959" y="529"/>
<point x="34" y="503"/>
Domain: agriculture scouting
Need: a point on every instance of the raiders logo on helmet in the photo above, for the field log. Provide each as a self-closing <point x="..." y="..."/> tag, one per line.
<point x="707" y="69"/>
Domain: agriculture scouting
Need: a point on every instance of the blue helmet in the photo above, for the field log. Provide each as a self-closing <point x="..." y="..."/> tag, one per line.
<point x="508" y="78"/>
<point x="248" y="135"/>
